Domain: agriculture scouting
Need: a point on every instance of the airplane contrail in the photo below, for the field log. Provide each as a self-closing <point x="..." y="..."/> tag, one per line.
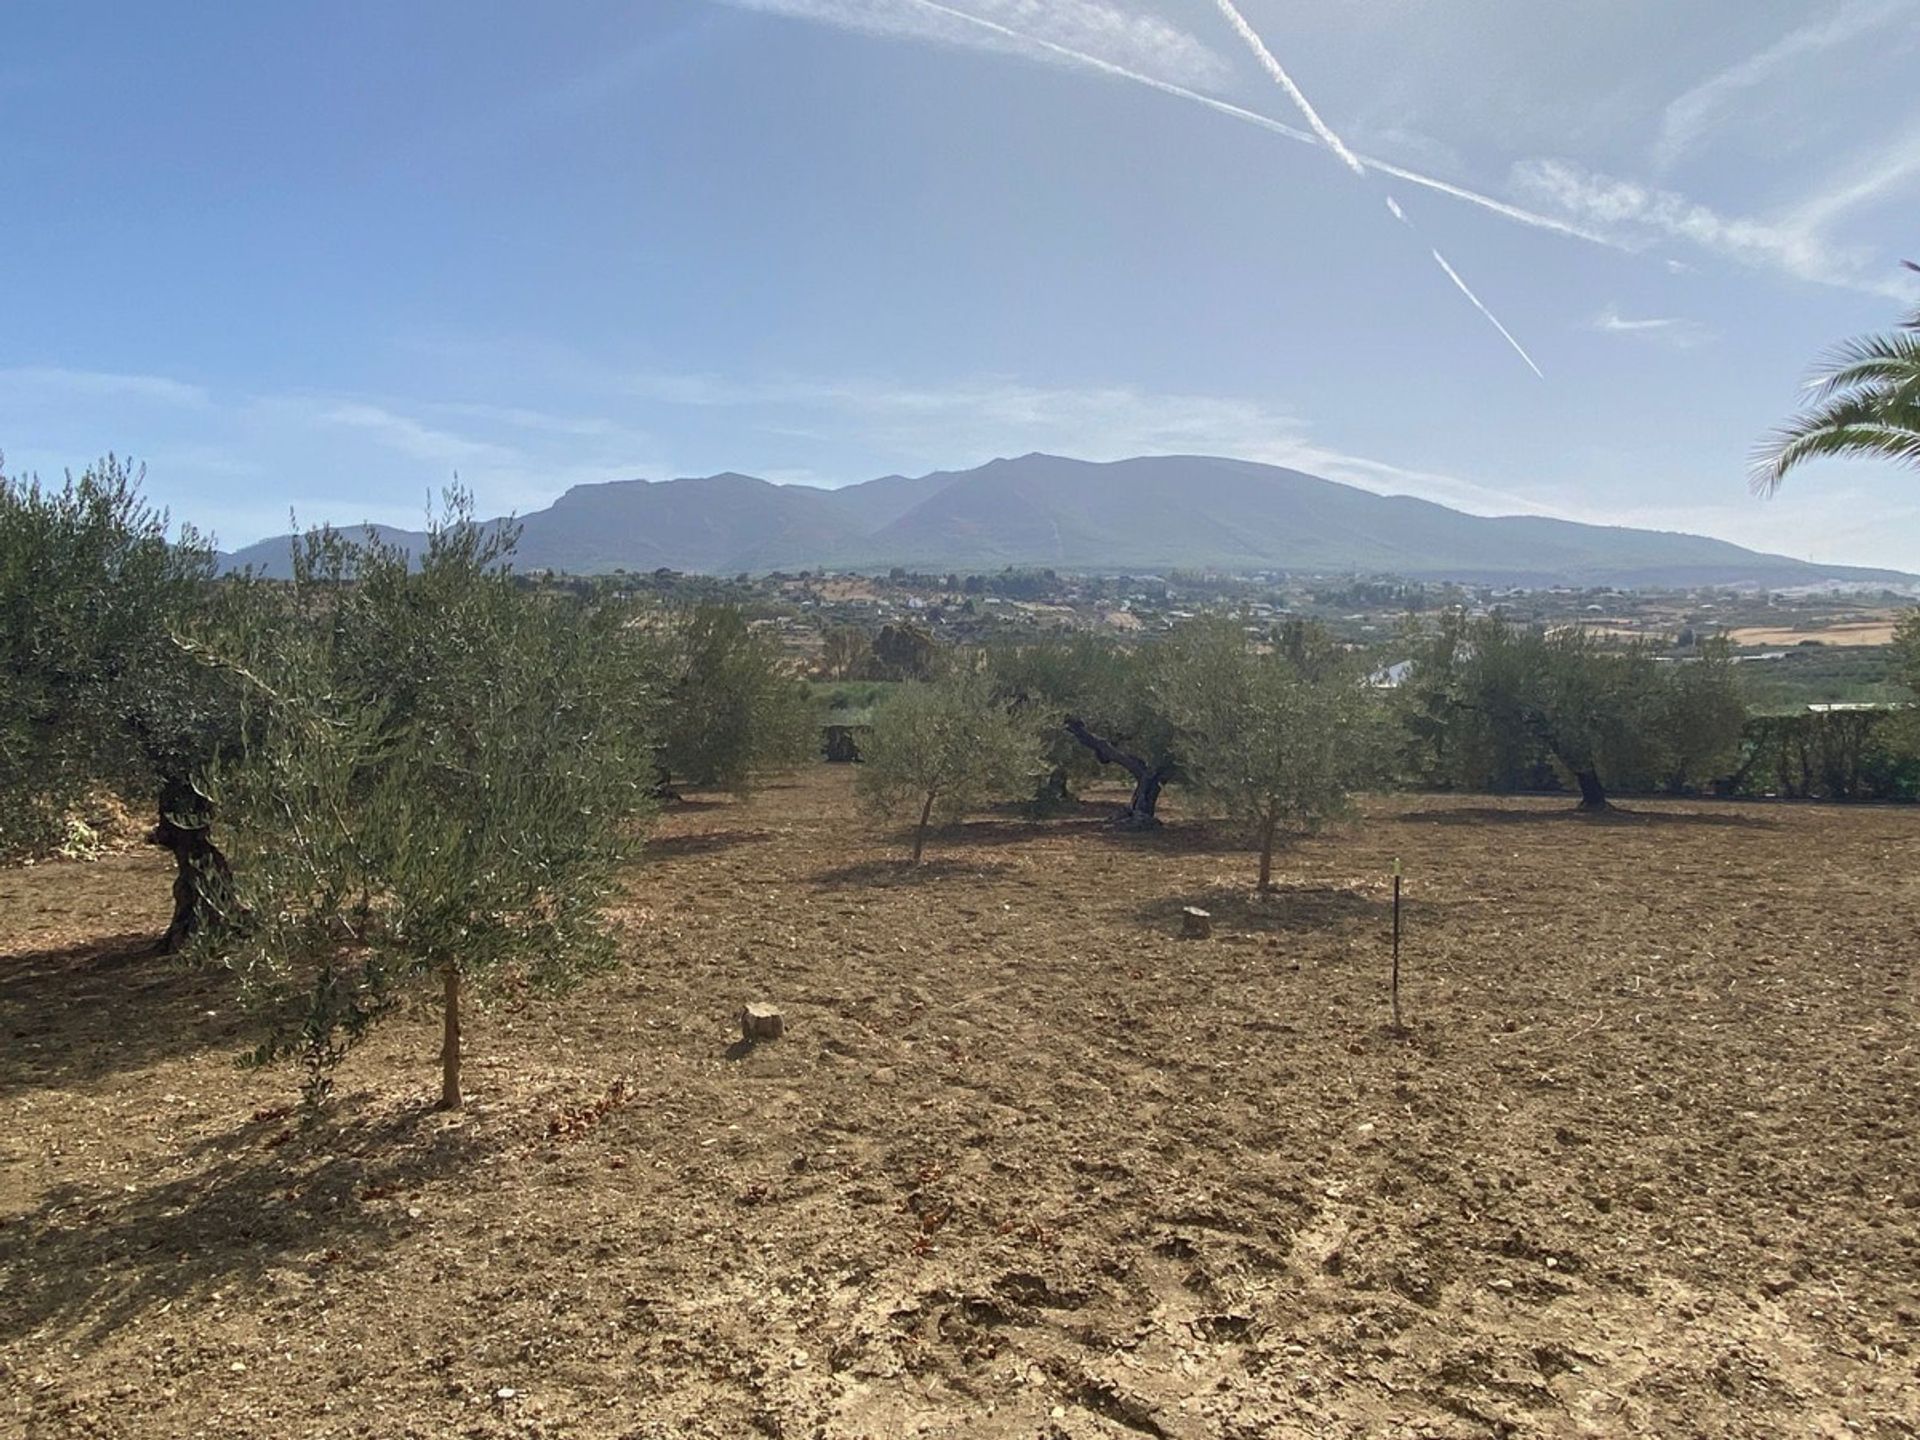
<point x="1519" y="349"/>
<point x="1285" y="82"/>
<point x="1516" y="213"/>
<point x="1334" y="143"/>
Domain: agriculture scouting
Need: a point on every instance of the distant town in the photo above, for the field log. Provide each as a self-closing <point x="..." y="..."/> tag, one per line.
<point x="1813" y="645"/>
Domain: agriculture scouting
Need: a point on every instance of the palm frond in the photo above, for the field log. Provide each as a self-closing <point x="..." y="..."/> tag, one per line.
<point x="1857" y="423"/>
<point x="1798" y="444"/>
<point x="1876" y="360"/>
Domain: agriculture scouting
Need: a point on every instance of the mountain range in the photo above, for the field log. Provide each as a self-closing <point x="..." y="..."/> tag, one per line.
<point x="1149" y="514"/>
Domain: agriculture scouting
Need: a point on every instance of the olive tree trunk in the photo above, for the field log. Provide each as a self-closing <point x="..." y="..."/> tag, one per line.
<point x="920" y="830"/>
<point x="1593" y="795"/>
<point x="203" y="879"/>
<point x="1147" y="779"/>
<point x="450" y="1098"/>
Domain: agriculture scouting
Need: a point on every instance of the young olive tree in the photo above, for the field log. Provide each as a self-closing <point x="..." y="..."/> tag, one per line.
<point x="730" y="704"/>
<point x="940" y="748"/>
<point x="443" y="772"/>
<point x="1280" y="737"/>
<point x="95" y="693"/>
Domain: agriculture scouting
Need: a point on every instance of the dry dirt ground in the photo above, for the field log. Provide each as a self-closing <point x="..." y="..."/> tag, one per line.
<point x="1847" y="632"/>
<point x="1027" y="1164"/>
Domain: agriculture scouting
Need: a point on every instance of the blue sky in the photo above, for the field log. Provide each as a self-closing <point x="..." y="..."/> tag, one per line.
<point x="325" y="257"/>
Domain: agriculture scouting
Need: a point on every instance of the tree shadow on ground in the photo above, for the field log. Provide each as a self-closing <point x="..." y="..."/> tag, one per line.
<point x="667" y="847"/>
<point x="1286" y="908"/>
<point x="1011" y="829"/>
<point x="1078" y="808"/>
<point x="1173" y="837"/>
<point x="677" y="802"/>
<point x="1570" y="815"/>
<point x="890" y="873"/>
<point x="1188" y="837"/>
<point x="325" y="1200"/>
<point x="74" y="1015"/>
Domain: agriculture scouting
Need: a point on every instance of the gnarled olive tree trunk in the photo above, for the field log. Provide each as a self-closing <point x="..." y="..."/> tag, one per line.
<point x="1147" y="779"/>
<point x="203" y="896"/>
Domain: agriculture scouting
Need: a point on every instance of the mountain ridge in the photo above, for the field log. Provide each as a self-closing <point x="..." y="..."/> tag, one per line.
<point x="1148" y="513"/>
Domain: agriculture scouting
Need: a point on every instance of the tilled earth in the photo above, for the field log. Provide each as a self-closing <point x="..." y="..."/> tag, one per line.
<point x="1643" y="1161"/>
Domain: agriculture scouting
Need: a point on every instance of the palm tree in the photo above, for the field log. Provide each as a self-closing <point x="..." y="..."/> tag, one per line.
<point x="1864" y="400"/>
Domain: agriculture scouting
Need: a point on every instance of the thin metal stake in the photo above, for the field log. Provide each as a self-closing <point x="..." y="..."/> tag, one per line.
<point x="1396" y="943"/>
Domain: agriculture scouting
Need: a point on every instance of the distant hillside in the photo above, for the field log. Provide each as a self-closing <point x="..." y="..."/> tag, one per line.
<point x="1162" y="512"/>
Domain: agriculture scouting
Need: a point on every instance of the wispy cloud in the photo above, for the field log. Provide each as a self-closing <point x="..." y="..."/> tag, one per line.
<point x="236" y="461"/>
<point x="21" y="382"/>
<point x="1671" y="330"/>
<point x="1015" y="40"/>
<point x="971" y="421"/>
<point x="1837" y="525"/>
<point x="1691" y="116"/>
<point x="1642" y="214"/>
<point x="413" y="439"/>
<point x="1880" y="173"/>
<point x="1135" y="39"/>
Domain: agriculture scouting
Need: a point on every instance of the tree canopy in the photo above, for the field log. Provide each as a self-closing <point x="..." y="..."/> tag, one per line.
<point x="441" y="772"/>
<point x="940" y="748"/>
<point x="1495" y="706"/>
<point x="732" y="705"/>
<point x="1280" y="735"/>
<point x="94" y="591"/>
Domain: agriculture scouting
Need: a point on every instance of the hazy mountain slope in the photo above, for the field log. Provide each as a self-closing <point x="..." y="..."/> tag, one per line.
<point x="1044" y="510"/>
<point x="720" y="524"/>
<point x="1197" y="511"/>
<point x="1152" y="513"/>
<point x="274" y="555"/>
<point x="874" y="504"/>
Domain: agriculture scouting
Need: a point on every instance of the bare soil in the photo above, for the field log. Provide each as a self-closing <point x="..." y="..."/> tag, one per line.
<point x="1025" y="1163"/>
<point x="1846" y="632"/>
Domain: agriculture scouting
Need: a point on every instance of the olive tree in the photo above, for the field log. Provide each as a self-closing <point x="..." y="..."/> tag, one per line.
<point x="98" y="694"/>
<point x="1101" y="705"/>
<point x="1493" y="705"/>
<point x="1906" y="650"/>
<point x="1280" y="736"/>
<point x="1700" y="717"/>
<point x="730" y="705"/>
<point x="442" y="772"/>
<point x="940" y="748"/>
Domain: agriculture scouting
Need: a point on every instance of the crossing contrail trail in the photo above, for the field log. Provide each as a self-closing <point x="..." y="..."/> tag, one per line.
<point x="1285" y="81"/>
<point x="1516" y="213"/>
<point x="1353" y="162"/>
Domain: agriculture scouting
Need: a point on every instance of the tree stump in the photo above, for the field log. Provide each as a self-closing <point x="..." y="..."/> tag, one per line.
<point x="1195" y="923"/>
<point x="762" y="1022"/>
